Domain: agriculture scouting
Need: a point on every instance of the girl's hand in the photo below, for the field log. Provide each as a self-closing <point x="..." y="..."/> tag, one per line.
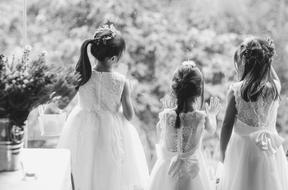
<point x="213" y="107"/>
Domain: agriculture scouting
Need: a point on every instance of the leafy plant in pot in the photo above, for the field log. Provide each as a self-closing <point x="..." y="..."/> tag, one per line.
<point x="24" y="84"/>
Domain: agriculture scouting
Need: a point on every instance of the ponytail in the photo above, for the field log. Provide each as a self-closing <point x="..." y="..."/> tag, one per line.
<point x="83" y="67"/>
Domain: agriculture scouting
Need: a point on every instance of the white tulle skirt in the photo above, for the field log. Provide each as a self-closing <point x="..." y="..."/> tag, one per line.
<point x="106" y="151"/>
<point x="248" y="167"/>
<point x="161" y="179"/>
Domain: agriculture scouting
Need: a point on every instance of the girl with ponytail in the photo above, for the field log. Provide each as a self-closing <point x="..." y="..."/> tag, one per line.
<point x="106" y="150"/>
<point x="107" y="47"/>
<point x="180" y="163"/>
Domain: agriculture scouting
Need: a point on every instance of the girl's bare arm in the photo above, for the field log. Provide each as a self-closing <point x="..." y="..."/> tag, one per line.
<point x="128" y="110"/>
<point x="229" y="120"/>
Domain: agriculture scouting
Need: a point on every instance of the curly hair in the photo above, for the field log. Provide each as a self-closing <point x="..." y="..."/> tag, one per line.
<point x="187" y="84"/>
<point x="256" y="55"/>
<point x="106" y="43"/>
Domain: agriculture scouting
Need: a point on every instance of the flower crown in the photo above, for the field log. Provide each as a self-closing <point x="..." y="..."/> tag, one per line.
<point x="109" y="32"/>
<point x="189" y="63"/>
<point x="181" y="80"/>
<point x="267" y="51"/>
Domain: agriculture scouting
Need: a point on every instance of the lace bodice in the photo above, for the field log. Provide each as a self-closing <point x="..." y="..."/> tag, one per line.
<point x="102" y="92"/>
<point x="187" y="136"/>
<point x="261" y="113"/>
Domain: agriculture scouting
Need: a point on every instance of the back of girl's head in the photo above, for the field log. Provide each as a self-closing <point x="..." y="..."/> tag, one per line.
<point x="187" y="86"/>
<point x="256" y="54"/>
<point x="106" y="43"/>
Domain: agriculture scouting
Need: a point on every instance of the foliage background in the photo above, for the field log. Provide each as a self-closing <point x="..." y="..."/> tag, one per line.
<point x="160" y="34"/>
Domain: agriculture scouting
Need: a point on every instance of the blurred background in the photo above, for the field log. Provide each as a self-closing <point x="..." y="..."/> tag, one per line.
<point x="160" y="34"/>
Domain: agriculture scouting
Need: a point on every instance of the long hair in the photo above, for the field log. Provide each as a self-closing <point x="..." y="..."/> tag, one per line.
<point x="187" y="84"/>
<point x="256" y="55"/>
<point x="107" y="42"/>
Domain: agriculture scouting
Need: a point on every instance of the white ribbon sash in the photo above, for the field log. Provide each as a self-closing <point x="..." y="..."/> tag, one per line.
<point x="266" y="140"/>
<point x="181" y="164"/>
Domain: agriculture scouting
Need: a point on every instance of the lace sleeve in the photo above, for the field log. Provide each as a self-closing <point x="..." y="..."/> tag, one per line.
<point x="161" y="122"/>
<point x="278" y="85"/>
<point x="201" y="118"/>
<point x="119" y="81"/>
<point x="234" y="89"/>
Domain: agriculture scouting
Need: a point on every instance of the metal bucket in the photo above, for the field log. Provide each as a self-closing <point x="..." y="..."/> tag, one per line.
<point x="10" y="155"/>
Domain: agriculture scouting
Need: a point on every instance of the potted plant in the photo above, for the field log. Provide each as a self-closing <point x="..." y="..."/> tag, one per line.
<point x="24" y="84"/>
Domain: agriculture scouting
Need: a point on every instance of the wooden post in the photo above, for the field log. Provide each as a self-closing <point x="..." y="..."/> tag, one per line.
<point x="25" y="22"/>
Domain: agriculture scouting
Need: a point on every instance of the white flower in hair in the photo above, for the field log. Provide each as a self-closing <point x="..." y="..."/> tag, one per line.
<point x="189" y="63"/>
<point x="107" y="27"/>
<point x="27" y="48"/>
<point x="111" y="28"/>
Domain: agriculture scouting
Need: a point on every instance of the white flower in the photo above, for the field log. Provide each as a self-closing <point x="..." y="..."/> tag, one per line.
<point x="28" y="48"/>
<point x="25" y="81"/>
<point x="44" y="53"/>
<point x="189" y="63"/>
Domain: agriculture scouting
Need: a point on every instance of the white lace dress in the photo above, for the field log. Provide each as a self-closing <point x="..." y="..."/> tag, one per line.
<point x="180" y="164"/>
<point x="106" y="150"/>
<point x="255" y="159"/>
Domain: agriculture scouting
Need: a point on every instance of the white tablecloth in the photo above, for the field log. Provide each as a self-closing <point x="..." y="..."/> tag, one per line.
<point x="51" y="166"/>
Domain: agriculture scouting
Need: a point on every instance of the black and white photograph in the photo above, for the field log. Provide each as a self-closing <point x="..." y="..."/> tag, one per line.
<point x="143" y="95"/>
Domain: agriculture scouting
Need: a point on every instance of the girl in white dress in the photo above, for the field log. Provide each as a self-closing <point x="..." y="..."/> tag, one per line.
<point x="180" y="164"/>
<point x="106" y="150"/>
<point x="254" y="158"/>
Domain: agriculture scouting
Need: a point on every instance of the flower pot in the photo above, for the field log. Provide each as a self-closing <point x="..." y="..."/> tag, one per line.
<point x="4" y="126"/>
<point x="10" y="148"/>
<point x="10" y="155"/>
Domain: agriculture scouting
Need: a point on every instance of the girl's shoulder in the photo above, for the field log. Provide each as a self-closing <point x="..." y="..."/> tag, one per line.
<point x="235" y="86"/>
<point x="114" y="77"/>
<point x="112" y="74"/>
<point x="170" y="112"/>
<point x="119" y="76"/>
<point x="270" y="86"/>
<point x="194" y="115"/>
<point x="200" y="114"/>
<point x="167" y="111"/>
<point x="234" y="90"/>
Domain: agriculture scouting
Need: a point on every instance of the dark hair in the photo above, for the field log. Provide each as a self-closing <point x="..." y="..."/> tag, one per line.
<point x="256" y="54"/>
<point x="187" y="83"/>
<point x="107" y="42"/>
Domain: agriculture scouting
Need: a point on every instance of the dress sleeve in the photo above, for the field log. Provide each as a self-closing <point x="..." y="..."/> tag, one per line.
<point x="234" y="89"/>
<point x="201" y="117"/>
<point x="122" y="81"/>
<point x="162" y="118"/>
<point x="278" y="85"/>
